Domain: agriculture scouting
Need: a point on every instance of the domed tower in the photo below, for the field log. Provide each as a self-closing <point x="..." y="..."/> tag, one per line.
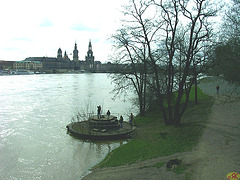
<point x="89" y="58"/>
<point x="75" y="53"/>
<point x="59" y="54"/>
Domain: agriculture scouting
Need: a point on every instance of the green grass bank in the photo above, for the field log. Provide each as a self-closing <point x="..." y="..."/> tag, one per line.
<point x="153" y="139"/>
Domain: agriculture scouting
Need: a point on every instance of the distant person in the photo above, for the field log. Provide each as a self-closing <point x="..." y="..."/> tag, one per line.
<point x="121" y="121"/>
<point x="108" y="114"/>
<point x="99" y="112"/>
<point x="131" y="119"/>
<point x="217" y="88"/>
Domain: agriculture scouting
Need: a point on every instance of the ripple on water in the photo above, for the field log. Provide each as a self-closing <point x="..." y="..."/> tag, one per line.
<point x="7" y="132"/>
<point x="34" y="113"/>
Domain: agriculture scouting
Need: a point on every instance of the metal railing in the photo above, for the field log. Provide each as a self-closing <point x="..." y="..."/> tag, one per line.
<point x="96" y="129"/>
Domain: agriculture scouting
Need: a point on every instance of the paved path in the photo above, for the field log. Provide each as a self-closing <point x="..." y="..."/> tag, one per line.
<point x="218" y="152"/>
<point x="226" y="88"/>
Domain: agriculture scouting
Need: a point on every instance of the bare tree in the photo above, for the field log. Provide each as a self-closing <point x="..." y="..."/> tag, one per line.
<point x="133" y="71"/>
<point x="184" y="30"/>
<point x="172" y="33"/>
<point x="231" y="21"/>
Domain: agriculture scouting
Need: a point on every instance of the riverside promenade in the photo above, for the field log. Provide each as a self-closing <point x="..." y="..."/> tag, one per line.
<point x="208" y="85"/>
<point x="218" y="151"/>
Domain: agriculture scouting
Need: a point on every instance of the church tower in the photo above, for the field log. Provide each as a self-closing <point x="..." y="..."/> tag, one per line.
<point x="66" y="56"/>
<point x="75" y="53"/>
<point x="90" y="58"/>
<point x="59" y="54"/>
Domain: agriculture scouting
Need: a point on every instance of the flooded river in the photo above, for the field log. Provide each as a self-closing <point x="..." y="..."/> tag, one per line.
<point x="34" y="111"/>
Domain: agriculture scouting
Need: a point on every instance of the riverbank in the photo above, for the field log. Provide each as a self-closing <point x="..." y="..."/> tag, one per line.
<point x="154" y="144"/>
<point x="215" y="154"/>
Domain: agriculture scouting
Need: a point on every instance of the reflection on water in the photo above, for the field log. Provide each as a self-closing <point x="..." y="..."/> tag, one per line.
<point x="34" y="111"/>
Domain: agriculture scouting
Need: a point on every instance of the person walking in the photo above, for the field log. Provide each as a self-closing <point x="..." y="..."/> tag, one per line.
<point x="99" y="112"/>
<point x="131" y="119"/>
<point x="121" y="121"/>
<point x="217" y="88"/>
<point x="108" y="114"/>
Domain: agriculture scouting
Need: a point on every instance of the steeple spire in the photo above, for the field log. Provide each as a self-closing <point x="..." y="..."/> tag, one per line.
<point x="75" y="53"/>
<point x="90" y="58"/>
<point x="90" y="45"/>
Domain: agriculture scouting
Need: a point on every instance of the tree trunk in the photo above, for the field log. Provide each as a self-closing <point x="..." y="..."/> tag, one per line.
<point x="165" y="119"/>
<point x="195" y="81"/>
<point x="196" y="95"/>
<point x="177" y="117"/>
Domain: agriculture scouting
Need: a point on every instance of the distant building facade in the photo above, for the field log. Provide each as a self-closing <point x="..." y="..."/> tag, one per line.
<point x="6" y="64"/>
<point x="33" y="65"/>
<point x="61" y="63"/>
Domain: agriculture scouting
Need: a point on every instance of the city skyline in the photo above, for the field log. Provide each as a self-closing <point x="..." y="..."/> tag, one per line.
<point x="39" y="28"/>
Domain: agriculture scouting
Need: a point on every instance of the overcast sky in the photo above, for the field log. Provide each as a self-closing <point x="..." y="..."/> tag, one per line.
<point x="36" y="28"/>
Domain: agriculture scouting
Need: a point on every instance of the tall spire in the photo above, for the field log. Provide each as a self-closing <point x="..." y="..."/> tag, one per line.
<point x="90" y="58"/>
<point x="65" y="56"/>
<point x="75" y="53"/>
<point x="90" y="45"/>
